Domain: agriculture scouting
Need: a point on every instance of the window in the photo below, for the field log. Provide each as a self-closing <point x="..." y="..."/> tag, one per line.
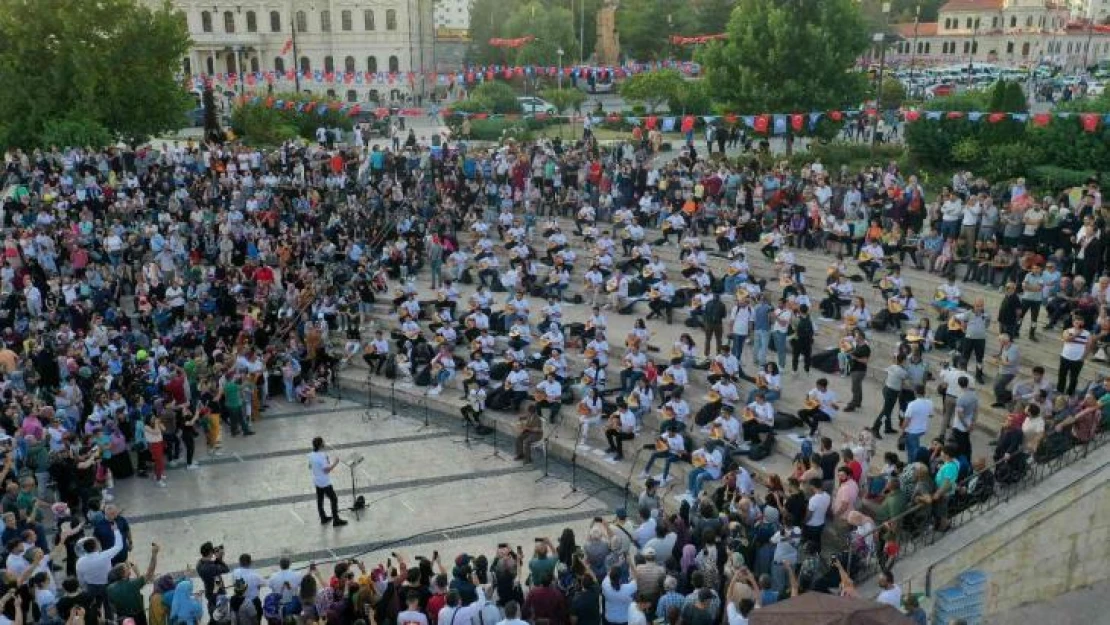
<point x="1009" y="47"/>
<point x="994" y="22"/>
<point x="186" y="66"/>
<point x="252" y="22"/>
<point x="349" y="64"/>
<point x="345" y="20"/>
<point x="229" y="22"/>
<point x="331" y="93"/>
<point x="368" y="19"/>
<point x="1025" y="49"/>
<point x="352" y="95"/>
<point x="977" y="23"/>
<point x="372" y="64"/>
<point x="329" y="64"/>
<point x="1013" y="21"/>
<point x="325" y="21"/>
<point x="968" y="23"/>
<point x="947" y="23"/>
<point x="967" y="47"/>
<point x="206" y="21"/>
<point x="928" y="47"/>
<point x="279" y="65"/>
<point x="231" y="67"/>
<point x="394" y="65"/>
<point x="1029" y="21"/>
<point x="211" y="66"/>
<point x="275" y="22"/>
<point x="254" y="65"/>
<point x="306" y="65"/>
<point x="302" y="22"/>
<point x="975" y="47"/>
<point x="391" y="19"/>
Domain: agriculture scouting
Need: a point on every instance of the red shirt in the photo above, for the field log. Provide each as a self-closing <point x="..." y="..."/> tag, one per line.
<point x="857" y="470"/>
<point x="435" y="604"/>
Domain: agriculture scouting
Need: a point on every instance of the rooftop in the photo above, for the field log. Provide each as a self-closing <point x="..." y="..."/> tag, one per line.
<point x="924" y="29"/>
<point x="972" y="5"/>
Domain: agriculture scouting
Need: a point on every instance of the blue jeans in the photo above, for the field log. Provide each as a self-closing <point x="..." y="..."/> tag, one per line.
<point x="770" y="395"/>
<point x="667" y="457"/>
<point x="762" y="339"/>
<point x="629" y="377"/>
<point x="737" y="346"/>
<point x="913" y="444"/>
<point x="733" y="282"/>
<point x="695" y="479"/>
<point x="779" y="339"/>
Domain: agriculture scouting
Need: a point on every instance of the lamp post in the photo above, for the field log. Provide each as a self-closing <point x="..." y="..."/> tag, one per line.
<point x="913" y="51"/>
<point x="971" y="52"/>
<point x="559" y="52"/>
<point x="879" y="38"/>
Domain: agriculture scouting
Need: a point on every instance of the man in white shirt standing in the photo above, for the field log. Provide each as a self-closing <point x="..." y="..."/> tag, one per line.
<point x="891" y="593"/>
<point x="321" y="467"/>
<point x="94" y="566"/>
<point x="916" y="422"/>
<point x="819" y="502"/>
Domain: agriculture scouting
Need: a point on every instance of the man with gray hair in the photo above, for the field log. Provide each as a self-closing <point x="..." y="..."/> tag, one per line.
<point x="1009" y="362"/>
<point x="671" y="598"/>
<point x="649" y="575"/>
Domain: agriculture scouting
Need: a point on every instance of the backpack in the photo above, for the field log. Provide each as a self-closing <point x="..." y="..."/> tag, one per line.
<point x="764" y="448"/>
<point x="1053" y="446"/>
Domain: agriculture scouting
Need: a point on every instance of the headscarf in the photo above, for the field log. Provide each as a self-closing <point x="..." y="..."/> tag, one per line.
<point x="770" y="515"/>
<point x="689" y="553"/>
<point x="184" y="608"/>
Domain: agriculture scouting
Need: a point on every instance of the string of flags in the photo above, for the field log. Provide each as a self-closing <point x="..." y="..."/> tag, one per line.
<point x="468" y="75"/>
<point x="765" y="124"/>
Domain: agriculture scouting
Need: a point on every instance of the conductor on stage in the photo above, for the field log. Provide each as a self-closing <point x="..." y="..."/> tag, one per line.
<point x="321" y="467"/>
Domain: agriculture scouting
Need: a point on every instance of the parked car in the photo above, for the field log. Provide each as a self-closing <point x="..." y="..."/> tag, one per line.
<point x="531" y="105"/>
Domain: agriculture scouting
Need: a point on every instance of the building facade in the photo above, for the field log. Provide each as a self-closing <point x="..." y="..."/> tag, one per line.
<point x="452" y="20"/>
<point x="355" y="50"/>
<point x="1097" y="11"/>
<point x="1007" y="32"/>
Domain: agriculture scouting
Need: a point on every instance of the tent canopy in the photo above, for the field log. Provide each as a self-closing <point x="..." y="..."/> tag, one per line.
<point x="818" y="608"/>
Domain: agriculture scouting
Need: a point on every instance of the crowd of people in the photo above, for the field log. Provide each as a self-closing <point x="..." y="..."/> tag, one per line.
<point x="154" y="297"/>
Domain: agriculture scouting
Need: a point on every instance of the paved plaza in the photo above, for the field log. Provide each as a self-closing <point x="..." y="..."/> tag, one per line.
<point x="424" y="492"/>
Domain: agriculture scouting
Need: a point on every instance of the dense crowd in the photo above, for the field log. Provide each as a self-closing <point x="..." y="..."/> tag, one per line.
<point x="156" y="297"/>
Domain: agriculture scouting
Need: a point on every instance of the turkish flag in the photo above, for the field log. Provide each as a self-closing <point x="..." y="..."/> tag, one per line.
<point x="955" y="114"/>
<point x="1042" y="119"/>
<point x="761" y="123"/>
<point x="837" y="116"/>
<point x="269" y="103"/>
<point x="911" y="116"/>
<point x="797" y="122"/>
<point x="688" y="123"/>
<point x="994" y="118"/>
<point x="354" y="110"/>
<point x="1089" y="121"/>
<point x="650" y="122"/>
<point x="731" y="118"/>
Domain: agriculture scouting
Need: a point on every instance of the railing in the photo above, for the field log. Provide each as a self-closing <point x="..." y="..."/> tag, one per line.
<point x="913" y="530"/>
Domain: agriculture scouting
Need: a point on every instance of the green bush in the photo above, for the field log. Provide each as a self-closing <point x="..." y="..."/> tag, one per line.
<point x="256" y="123"/>
<point x="967" y="151"/>
<point x="499" y="128"/>
<point x="836" y="154"/>
<point x="1013" y="160"/>
<point x="1057" y="178"/>
<point x="496" y="97"/>
<point x="74" y="131"/>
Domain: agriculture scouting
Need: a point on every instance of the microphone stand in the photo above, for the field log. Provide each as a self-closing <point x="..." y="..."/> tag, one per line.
<point x="426" y="423"/>
<point x="574" y="462"/>
<point x="547" y="452"/>
<point x="631" y="468"/>
<point x="496" y="452"/>
<point x="392" y="399"/>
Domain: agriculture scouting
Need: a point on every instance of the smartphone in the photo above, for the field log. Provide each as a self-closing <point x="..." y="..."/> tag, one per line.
<point x="539" y="540"/>
<point x="435" y="555"/>
<point x="597" y="519"/>
<point x="502" y="545"/>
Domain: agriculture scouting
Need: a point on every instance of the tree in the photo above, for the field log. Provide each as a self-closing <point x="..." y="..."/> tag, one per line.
<point x="488" y="20"/>
<point x="789" y="55"/>
<point x="564" y="99"/>
<point x="692" y="96"/>
<point x="1008" y="97"/>
<point x="653" y="88"/>
<point x="893" y="93"/>
<point x="644" y="26"/>
<point x="493" y="97"/>
<point x="552" y="28"/>
<point x="112" y="62"/>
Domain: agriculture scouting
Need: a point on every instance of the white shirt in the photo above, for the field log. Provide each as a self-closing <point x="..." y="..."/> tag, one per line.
<point x="917" y="415"/>
<point x="254" y="581"/>
<point x="318" y="463"/>
<point x="891" y="596"/>
<point x="93" y="568"/>
<point x="278" y="580"/>
<point x="818" y="506"/>
<point x="734" y="616"/>
<point x="1075" y="347"/>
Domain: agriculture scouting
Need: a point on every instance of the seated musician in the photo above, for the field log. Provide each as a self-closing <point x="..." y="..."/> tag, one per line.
<point x="598" y="348"/>
<point x="552" y="340"/>
<point x="871" y="258"/>
<point x="674" y="379"/>
<point x="725" y="366"/>
<point x="558" y="280"/>
<point x="892" y="283"/>
<point x="409" y="334"/>
<point x="634" y="362"/>
<point x="410" y="307"/>
<point x="707" y="463"/>
<point x="839" y="296"/>
<point x="520" y="335"/>
<point x="517" y="382"/>
<point x="820" y="405"/>
<point x="446" y="331"/>
<point x="641" y="400"/>
<point x="674" y="224"/>
<point x="589" y="413"/>
<point x="596" y="322"/>
<point x="857" y="315"/>
<point x="678" y="410"/>
<point x="476" y="372"/>
<point x="768" y="380"/>
<point x="488" y="269"/>
<point x="661" y="299"/>
<point x="617" y="286"/>
<point x="669" y="447"/>
<point x="621" y="427"/>
<point x="736" y="274"/>
<point x="557" y="362"/>
<point x="759" y="418"/>
<point x="518" y="308"/>
<point x="475" y="404"/>
<point x="376" y="352"/>
<point x="979" y="265"/>
<point x="447" y="296"/>
<point x="947" y="296"/>
<point x="486" y="344"/>
<point x="727" y="389"/>
<point x="728" y="426"/>
<point x="552" y="313"/>
<point x="442" y="368"/>
<point x="549" y="395"/>
<point x="531" y="431"/>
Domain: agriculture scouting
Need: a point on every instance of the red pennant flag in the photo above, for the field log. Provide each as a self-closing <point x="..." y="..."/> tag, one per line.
<point x="270" y="102"/>
<point x="911" y="116"/>
<point x="1042" y="119"/>
<point x="797" y="122"/>
<point x="836" y="116"/>
<point x="870" y="112"/>
<point x="731" y="118"/>
<point x="290" y="105"/>
<point x="688" y="123"/>
<point x="994" y="118"/>
<point x="1089" y="121"/>
<point x="381" y="111"/>
<point x="287" y="47"/>
<point x="761" y="123"/>
<point x="481" y="115"/>
<point x="650" y="122"/>
<point x="290" y="74"/>
<point x="955" y="114"/>
<point x="355" y="110"/>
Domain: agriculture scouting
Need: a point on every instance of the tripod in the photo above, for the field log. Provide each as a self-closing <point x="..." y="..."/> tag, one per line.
<point x="631" y="468"/>
<point x="547" y="453"/>
<point x="496" y="453"/>
<point x="426" y="424"/>
<point x="466" y="433"/>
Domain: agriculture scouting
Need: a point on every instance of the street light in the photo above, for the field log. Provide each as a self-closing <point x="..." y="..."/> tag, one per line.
<point x="560" y="53"/>
<point x="879" y="38"/>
